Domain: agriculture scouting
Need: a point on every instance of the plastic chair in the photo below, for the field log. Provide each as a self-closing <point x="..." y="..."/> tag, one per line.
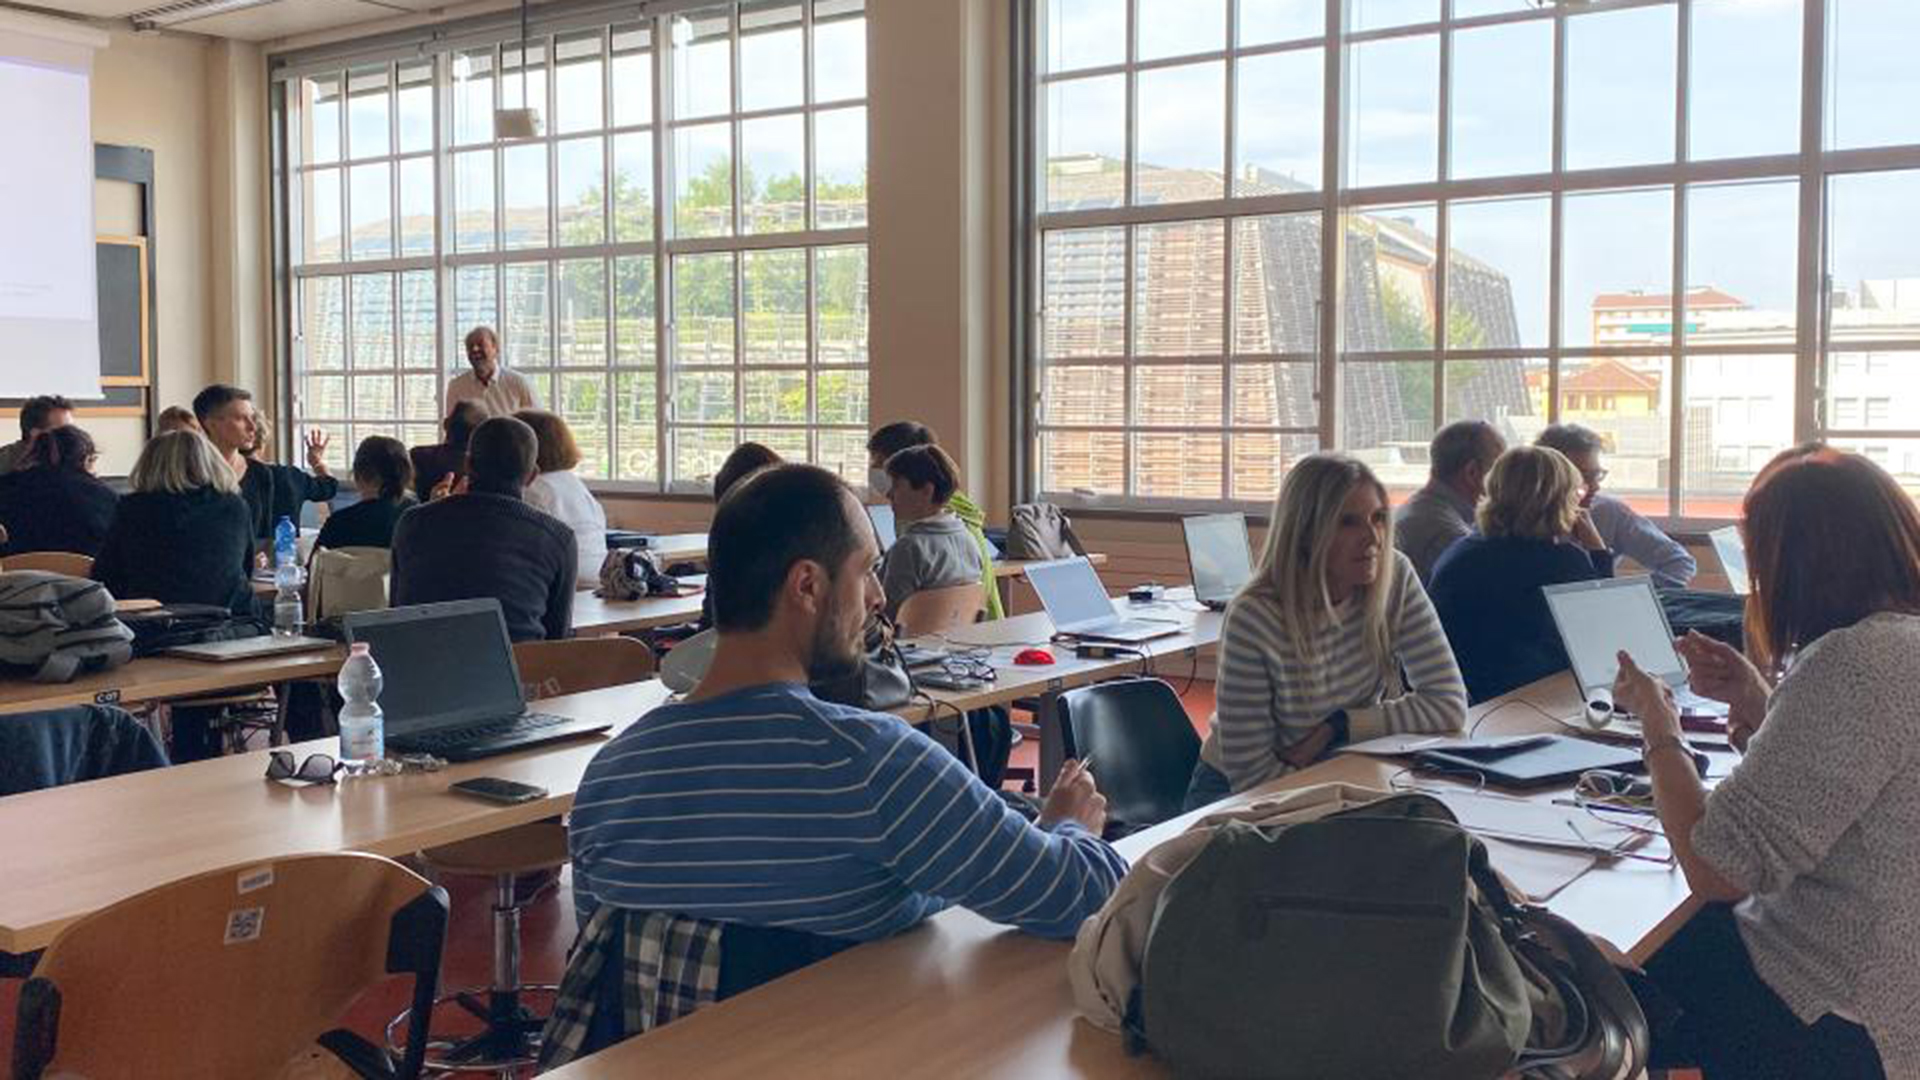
<point x="232" y="972"/>
<point x="939" y="611"/>
<point x="53" y="562"/>
<point x="1142" y="742"/>
<point x="522" y="862"/>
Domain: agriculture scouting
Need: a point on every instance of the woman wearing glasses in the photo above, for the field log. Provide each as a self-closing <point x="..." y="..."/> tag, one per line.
<point x="1806" y="960"/>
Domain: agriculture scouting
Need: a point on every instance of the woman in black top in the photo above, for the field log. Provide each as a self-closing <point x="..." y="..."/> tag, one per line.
<point x="382" y="473"/>
<point x="185" y="535"/>
<point x="54" y="503"/>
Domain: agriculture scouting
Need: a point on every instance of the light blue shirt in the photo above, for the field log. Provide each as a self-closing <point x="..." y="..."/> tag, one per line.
<point x="1629" y="534"/>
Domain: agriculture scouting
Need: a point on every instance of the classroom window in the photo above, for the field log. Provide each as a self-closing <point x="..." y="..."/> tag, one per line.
<point x="1544" y="213"/>
<point x="677" y="262"/>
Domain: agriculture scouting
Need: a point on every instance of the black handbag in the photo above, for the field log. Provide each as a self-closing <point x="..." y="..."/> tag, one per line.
<point x="881" y="682"/>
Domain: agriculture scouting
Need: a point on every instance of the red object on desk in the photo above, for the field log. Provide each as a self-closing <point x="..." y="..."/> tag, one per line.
<point x="1033" y="657"/>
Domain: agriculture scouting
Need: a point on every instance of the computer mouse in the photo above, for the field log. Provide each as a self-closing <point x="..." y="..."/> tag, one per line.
<point x="1033" y="656"/>
<point x="1599" y="708"/>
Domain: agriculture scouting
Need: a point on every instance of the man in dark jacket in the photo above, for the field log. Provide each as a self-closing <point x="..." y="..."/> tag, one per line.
<point x="272" y="492"/>
<point x="486" y="541"/>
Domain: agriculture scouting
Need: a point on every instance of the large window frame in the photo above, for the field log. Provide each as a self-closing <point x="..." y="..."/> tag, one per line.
<point x="1339" y="207"/>
<point x="618" y="371"/>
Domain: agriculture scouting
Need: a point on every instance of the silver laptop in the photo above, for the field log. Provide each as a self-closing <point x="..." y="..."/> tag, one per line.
<point x="1733" y="557"/>
<point x="1598" y="619"/>
<point x="1078" y="604"/>
<point x="247" y="648"/>
<point x="883" y="525"/>
<point x="1219" y="556"/>
<point x="450" y="686"/>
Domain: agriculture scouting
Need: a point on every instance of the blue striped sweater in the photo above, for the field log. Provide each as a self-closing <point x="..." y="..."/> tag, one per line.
<point x="770" y="807"/>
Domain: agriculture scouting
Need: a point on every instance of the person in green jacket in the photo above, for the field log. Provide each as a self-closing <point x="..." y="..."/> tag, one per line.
<point x="900" y="435"/>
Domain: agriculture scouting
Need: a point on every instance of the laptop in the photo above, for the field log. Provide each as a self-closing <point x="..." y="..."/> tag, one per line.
<point x="220" y="652"/>
<point x="1598" y="619"/>
<point x="1529" y="763"/>
<point x="450" y="686"/>
<point x="1733" y="557"/>
<point x="883" y="525"/>
<point x="1078" y="604"/>
<point x="1219" y="556"/>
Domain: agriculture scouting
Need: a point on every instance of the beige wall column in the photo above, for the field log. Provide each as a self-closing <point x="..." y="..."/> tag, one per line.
<point x="237" y="222"/>
<point x="933" y="234"/>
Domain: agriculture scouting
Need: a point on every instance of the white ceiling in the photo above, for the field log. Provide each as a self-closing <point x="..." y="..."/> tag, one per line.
<point x="277" y="19"/>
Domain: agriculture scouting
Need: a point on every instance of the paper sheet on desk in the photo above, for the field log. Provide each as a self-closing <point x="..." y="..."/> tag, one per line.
<point x="1539" y="873"/>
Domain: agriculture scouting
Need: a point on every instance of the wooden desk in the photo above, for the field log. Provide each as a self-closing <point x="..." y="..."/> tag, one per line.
<point x="1017" y="568"/>
<point x="594" y="616"/>
<point x="963" y="997"/>
<point x="72" y="850"/>
<point x="156" y="678"/>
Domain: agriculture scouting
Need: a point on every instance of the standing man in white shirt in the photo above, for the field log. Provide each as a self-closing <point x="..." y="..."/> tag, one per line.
<point x="1619" y="525"/>
<point x="492" y="387"/>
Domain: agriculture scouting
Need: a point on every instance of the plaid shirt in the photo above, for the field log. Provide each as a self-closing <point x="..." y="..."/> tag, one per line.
<point x="670" y="966"/>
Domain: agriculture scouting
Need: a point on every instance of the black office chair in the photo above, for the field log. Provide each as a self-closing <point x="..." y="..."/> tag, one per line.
<point x="1142" y="745"/>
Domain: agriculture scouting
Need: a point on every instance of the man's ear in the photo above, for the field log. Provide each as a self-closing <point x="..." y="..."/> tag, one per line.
<point x="807" y="585"/>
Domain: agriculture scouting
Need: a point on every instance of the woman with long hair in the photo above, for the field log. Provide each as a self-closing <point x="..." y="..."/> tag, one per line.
<point x="1332" y="640"/>
<point x="184" y="535"/>
<point x="1805" y="960"/>
<point x="382" y="473"/>
<point x="559" y="491"/>
<point x="53" y="502"/>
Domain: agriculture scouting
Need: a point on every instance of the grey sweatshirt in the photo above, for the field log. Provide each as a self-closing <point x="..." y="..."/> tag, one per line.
<point x="932" y="553"/>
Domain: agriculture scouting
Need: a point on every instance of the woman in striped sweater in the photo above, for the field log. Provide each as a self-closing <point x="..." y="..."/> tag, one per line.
<point x="1332" y="641"/>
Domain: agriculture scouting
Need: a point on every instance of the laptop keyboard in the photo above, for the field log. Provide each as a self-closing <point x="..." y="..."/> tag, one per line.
<point x="432" y="742"/>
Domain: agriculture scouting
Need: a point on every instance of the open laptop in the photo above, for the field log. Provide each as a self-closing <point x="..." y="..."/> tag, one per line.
<point x="451" y="688"/>
<point x="221" y="652"/>
<point x="1733" y="557"/>
<point x="1078" y="604"/>
<point x="1598" y="619"/>
<point x="1219" y="556"/>
<point x="883" y="524"/>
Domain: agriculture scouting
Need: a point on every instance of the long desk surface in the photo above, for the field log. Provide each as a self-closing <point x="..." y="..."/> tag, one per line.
<point x="157" y="678"/>
<point x="692" y="548"/>
<point x="963" y="997"/>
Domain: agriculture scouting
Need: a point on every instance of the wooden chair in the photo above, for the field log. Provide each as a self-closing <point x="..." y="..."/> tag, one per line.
<point x="54" y="562"/>
<point x="232" y="972"/>
<point x="939" y="611"/>
<point x="522" y="862"/>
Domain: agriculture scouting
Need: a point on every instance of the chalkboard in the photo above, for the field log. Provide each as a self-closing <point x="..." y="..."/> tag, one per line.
<point x="122" y="264"/>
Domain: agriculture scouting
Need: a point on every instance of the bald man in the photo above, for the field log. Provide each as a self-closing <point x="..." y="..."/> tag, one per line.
<point x="499" y="391"/>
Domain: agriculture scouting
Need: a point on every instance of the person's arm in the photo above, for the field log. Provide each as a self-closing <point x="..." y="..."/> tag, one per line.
<point x="900" y="575"/>
<point x="1436" y="698"/>
<point x="558" y="620"/>
<point x="1632" y="535"/>
<point x="1247" y="698"/>
<point x="947" y="835"/>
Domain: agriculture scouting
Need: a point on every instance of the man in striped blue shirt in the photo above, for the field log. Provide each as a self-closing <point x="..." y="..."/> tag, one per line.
<point x="754" y="802"/>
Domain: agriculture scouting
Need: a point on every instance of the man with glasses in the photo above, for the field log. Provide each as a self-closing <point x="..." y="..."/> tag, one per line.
<point x="1622" y="527"/>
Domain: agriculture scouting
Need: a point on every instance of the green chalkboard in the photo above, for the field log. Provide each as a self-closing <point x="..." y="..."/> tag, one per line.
<point x="122" y="271"/>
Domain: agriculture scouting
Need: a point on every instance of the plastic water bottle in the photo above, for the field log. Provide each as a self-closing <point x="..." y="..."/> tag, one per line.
<point x="289" y="613"/>
<point x="363" y="728"/>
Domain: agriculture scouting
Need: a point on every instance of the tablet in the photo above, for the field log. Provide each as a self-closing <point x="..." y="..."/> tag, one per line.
<point x="1530" y="763"/>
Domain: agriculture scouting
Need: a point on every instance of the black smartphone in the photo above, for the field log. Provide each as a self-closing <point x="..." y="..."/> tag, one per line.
<point x="494" y="789"/>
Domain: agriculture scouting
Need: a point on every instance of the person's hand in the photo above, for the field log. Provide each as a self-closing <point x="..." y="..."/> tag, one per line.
<point x="1585" y="534"/>
<point x="1308" y="750"/>
<point x="1647" y="698"/>
<point x="1075" y="798"/>
<point x="1719" y="671"/>
<point x="317" y="441"/>
<point x="448" y="485"/>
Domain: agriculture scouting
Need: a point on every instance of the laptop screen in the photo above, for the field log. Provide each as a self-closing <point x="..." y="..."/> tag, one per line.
<point x="883" y="527"/>
<point x="1218" y="554"/>
<point x="1733" y="557"/>
<point x="1599" y="618"/>
<point x="1071" y="592"/>
<point x="441" y="664"/>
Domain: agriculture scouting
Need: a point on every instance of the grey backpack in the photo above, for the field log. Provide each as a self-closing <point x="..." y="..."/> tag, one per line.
<point x="53" y="627"/>
<point x="1041" y="531"/>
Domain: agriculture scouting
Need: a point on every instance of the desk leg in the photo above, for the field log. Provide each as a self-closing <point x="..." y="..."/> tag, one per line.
<point x="1053" y="743"/>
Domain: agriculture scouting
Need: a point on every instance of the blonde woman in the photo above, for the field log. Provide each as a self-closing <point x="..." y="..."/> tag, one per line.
<point x="184" y="536"/>
<point x="1532" y="532"/>
<point x="1332" y="641"/>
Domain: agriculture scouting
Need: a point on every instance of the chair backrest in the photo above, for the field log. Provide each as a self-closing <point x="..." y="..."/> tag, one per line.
<point x="349" y="579"/>
<point x="687" y="662"/>
<point x="938" y="611"/>
<point x="66" y="746"/>
<point x="231" y="972"/>
<point x="54" y="562"/>
<point x="1143" y="744"/>
<point x="576" y="665"/>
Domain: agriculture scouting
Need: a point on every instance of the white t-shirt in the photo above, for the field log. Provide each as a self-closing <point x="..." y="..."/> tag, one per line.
<point x="563" y="495"/>
<point x="508" y="393"/>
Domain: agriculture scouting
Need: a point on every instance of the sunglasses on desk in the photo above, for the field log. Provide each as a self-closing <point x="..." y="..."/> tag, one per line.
<point x="317" y="769"/>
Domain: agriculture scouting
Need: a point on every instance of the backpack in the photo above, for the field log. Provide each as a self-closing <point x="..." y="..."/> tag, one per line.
<point x="1373" y="942"/>
<point x="54" y="626"/>
<point x="631" y="573"/>
<point x="1041" y="531"/>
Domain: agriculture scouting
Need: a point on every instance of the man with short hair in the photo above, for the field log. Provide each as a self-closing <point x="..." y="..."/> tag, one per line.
<point x="494" y="388"/>
<point x="754" y="803"/>
<point x="227" y="418"/>
<point x="1431" y="519"/>
<point x="486" y="541"/>
<point x="38" y="414"/>
<point x="902" y="434"/>
<point x="1620" y="525"/>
